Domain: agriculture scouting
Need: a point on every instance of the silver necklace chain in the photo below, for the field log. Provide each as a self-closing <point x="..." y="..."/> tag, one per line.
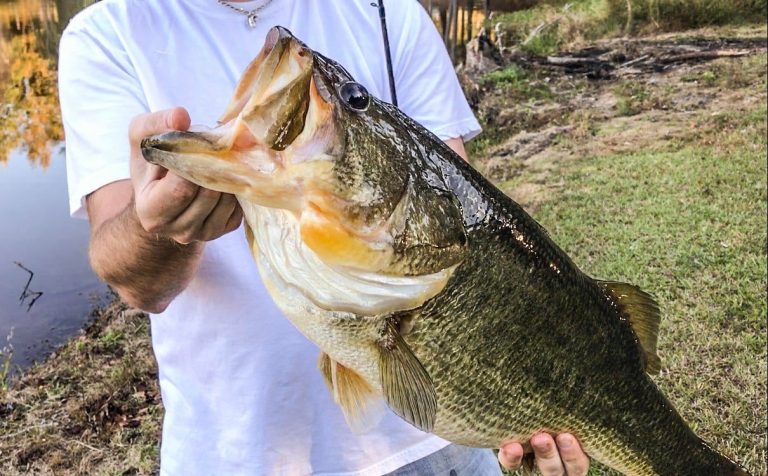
<point x="252" y="15"/>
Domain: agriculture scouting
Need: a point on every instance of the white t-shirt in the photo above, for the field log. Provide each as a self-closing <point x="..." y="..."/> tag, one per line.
<point x="240" y="384"/>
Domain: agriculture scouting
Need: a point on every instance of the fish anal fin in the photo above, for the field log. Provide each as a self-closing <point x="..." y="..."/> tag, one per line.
<point x="642" y="312"/>
<point x="407" y="387"/>
<point x="360" y="403"/>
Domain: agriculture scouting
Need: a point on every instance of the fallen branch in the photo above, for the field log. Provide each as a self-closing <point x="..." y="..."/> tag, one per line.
<point x="86" y="445"/>
<point x="639" y="59"/>
<point x="704" y="55"/>
<point x="26" y="292"/>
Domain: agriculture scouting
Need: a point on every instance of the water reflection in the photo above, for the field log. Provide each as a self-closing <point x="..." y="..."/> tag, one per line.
<point x="37" y="231"/>
<point x="29" y="106"/>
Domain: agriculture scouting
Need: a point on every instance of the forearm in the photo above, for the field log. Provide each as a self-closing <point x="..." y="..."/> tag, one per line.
<point x="457" y="144"/>
<point x="146" y="269"/>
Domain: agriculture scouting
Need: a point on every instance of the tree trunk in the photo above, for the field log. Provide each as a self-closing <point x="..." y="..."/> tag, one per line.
<point x="469" y="9"/>
<point x="442" y="13"/>
<point x="448" y="28"/>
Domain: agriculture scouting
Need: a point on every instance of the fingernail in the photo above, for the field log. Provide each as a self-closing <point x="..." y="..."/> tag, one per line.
<point x="541" y="443"/>
<point x="508" y="455"/>
<point x="564" y="441"/>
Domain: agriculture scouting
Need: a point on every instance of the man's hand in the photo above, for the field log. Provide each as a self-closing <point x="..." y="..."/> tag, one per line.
<point x="169" y="205"/>
<point x="554" y="457"/>
<point x="139" y="227"/>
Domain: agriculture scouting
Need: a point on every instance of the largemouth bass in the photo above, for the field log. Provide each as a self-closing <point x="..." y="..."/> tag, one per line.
<point x="423" y="284"/>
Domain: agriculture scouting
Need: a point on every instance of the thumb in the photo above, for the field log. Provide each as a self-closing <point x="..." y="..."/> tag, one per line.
<point x="143" y="173"/>
<point x="144" y="125"/>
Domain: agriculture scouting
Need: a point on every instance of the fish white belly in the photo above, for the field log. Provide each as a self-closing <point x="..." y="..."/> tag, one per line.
<point x="338" y="308"/>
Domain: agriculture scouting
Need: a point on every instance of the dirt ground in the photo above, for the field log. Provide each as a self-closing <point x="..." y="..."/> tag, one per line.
<point x="597" y="111"/>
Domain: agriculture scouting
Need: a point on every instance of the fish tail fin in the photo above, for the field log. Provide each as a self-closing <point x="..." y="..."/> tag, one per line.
<point x="717" y="464"/>
<point x="726" y="467"/>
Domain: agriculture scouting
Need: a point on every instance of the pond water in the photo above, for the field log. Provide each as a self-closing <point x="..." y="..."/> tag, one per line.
<point x="37" y="238"/>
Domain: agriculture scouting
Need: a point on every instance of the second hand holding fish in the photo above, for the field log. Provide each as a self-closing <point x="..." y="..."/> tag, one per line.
<point x="141" y="252"/>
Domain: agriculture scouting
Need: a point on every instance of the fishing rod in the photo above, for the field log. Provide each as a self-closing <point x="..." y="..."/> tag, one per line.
<point x="388" y="55"/>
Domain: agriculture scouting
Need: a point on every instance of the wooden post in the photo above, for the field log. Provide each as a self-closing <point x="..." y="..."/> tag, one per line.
<point x="455" y="28"/>
<point x="448" y="26"/>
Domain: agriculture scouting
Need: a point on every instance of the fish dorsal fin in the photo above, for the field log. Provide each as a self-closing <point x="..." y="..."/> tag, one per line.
<point x="359" y="402"/>
<point x="642" y="312"/>
<point x="408" y="388"/>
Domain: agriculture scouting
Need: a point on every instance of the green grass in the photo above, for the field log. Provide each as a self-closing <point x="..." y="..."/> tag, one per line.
<point x="517" y="81"/>
<point x="682" y="14"/>
<point x="688" y="226"/>
<point x="563" y="23"/>
<point x="6" y="360"/>
<point x="559" y="23"/>
<point x="634" y="97"/>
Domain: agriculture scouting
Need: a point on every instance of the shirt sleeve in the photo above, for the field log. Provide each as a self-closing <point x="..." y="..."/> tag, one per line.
<point x="99" y="95"/>
<point x="427" y="87"/>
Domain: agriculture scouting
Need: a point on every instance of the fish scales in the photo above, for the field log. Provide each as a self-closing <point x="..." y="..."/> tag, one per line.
<point x="423" y="284"/>
<point x="566" y="365"/>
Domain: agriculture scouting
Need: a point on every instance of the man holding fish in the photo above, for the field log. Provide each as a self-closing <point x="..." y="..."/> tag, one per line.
<point x="240" y="386"/>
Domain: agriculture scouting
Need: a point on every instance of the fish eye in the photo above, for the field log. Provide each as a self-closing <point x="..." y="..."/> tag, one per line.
<point x="355" y="96"/>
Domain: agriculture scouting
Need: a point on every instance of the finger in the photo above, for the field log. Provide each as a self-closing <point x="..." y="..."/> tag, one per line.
<point x="162" y="201"/>
<point x="547" y="456"/>
<point x="148" y="124"/>
<point x="575" y="461"/>
<point x="511" y="455"/>
<point x="144" y="125"/>
<point x="187" y="227"/>
<point x="143" y="173"/>
<point x="216" y="222"/>
<point x="235" y="219"/>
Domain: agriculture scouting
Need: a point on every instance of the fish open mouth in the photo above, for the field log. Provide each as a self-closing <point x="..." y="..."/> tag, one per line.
<point x="275" y="106"/>
<point x="272" y="97"/>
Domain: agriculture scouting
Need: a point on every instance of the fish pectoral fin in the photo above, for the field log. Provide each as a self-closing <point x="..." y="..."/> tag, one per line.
<point x="642" y="312"/>
<point x="408" y="388"/>
<point x="360" y="403"/>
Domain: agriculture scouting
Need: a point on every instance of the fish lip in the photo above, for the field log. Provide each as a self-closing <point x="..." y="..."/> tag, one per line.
<point x="176" y="142"/>
<point x="279" y="90"/>
<point x="278" y="34"/>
